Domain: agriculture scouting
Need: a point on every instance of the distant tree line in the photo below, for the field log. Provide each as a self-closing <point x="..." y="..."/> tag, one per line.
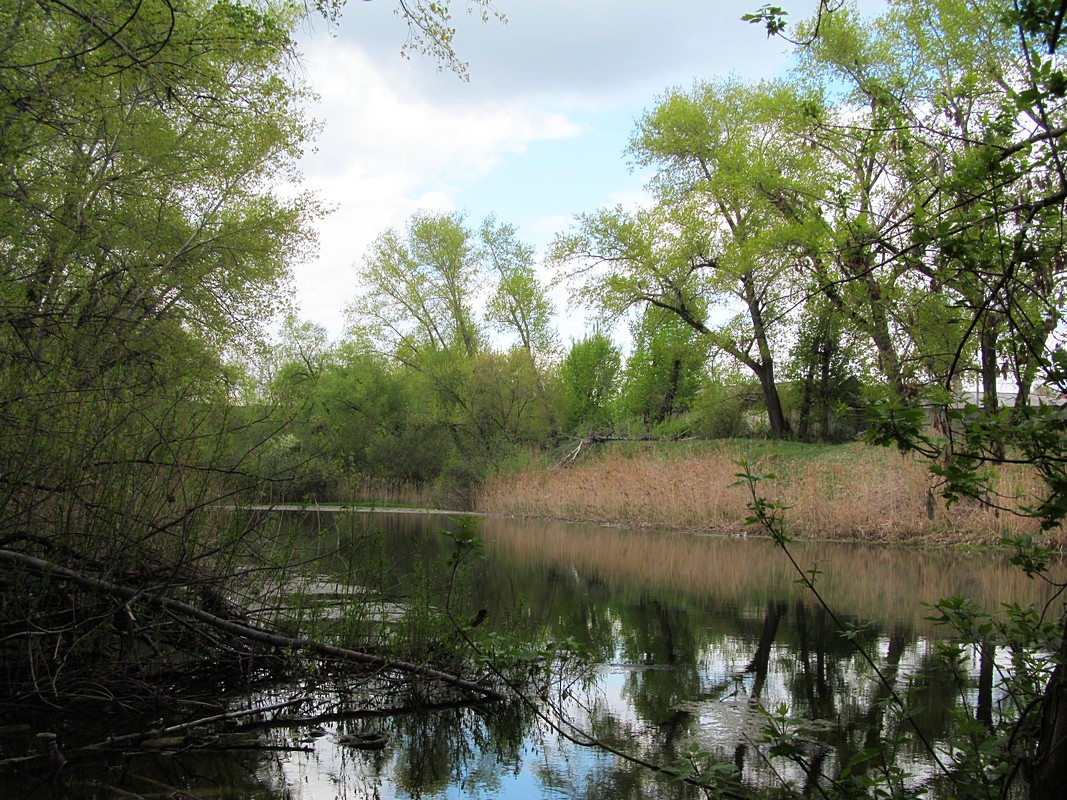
<point x="882" y="225"/>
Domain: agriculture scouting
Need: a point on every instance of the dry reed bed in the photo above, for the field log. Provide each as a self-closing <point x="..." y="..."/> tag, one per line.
<point x="851" y="492"/>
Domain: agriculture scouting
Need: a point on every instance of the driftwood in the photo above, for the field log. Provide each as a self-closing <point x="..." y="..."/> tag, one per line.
<point x="117" y="742"/>
<point x="364" y="741"/>
<point x="592" y="439"/>
<point x="134" y="739"/>
<point x="243" y="631"/>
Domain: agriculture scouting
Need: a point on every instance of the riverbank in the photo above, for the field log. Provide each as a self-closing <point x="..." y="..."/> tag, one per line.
<point x="841" y="492"/>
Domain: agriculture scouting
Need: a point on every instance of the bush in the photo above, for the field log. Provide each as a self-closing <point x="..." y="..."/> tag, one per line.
<point x="723" y="412"/>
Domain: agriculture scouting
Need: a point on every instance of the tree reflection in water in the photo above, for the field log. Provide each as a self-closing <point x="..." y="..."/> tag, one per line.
<point x="693" y="637"/>
<point x="696" y="635"/>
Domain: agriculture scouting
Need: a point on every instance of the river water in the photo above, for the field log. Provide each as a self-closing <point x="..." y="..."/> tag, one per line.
<point x="686" y="641"/>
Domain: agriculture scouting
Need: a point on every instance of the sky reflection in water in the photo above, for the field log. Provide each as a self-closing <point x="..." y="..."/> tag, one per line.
<point x="692" y="633"/>
<point x="691" y="636"/>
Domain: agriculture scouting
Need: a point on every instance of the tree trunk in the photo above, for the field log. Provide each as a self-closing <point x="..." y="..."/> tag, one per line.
<point x="666" y="409"/>
<point x="764" y="369"/>
<point x="878" y="329"/>
<point x="1047" y="774"/>
<point x="806" y="401"/>
<point x="825" y="392"/>
<point x="988" y="340"/>
<point x="775" y="415"/>
<point x="990" y="400"/>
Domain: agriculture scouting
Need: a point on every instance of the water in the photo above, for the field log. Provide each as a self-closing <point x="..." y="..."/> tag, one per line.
<point x="691" y="640"/>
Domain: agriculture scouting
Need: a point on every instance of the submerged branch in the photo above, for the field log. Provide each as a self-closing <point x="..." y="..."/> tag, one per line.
<point x="243" y="631"/>
<point x="134" y="739"/>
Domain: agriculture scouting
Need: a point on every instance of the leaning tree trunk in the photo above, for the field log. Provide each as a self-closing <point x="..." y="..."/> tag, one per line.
<point x="775" y="415"/>
<point x="1047" y="774"/>
<point x="764" y="368"/>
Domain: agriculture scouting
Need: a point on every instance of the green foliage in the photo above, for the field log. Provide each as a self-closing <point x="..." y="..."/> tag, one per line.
<point x="418" y="310"/>
<point x="720" y="410"/>
<point x="770" y="17"/>
<point x="468" y="544"/>
<point x="696" y="766"/>
<point x="144" y="245"/>
<point x="767" y="515"/>
<point x="894" y="422"/>
<point x="664" y="371"/>
<point x="825" y="365"/>
<point x="520" y="304"/>
<point x="969" y="285"/>
<point x="731" y="184"/>
<point x="418" y="289"/>
<point x="588" y="383"/>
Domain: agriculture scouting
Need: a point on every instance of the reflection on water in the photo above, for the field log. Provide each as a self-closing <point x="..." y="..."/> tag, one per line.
<point x="693" y="638"/>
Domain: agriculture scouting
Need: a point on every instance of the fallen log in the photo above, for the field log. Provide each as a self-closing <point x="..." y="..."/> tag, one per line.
<point x="125" y="593"/>
<point x="597" y="438"/>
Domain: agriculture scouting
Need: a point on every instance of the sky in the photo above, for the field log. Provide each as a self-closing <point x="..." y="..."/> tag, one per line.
<point x="535" y="137"/>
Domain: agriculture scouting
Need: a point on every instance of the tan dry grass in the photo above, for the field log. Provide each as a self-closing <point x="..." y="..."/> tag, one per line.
<point x="372" y="490"/>
<point x="850" y="492"/>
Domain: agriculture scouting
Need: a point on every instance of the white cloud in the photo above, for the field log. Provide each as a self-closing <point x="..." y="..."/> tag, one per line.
<point x="536" y="136"/>
<point x="597" y="52"/>
<point x="385" y="153"/>
<point x="630" y="199"/>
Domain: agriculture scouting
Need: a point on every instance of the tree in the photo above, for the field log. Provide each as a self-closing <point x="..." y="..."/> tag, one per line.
<point x="588" y="386"/>
<point x="302" y="352"/>
<point x="519" y="304"/>
<point x="916" y="110"/>
<point x="724" y="231"/>
<point x="665" y="369"/>
<point x="376" y="420"/>
<point x="419" y="289"/>
<point x="143" y="246"/>
<point x="419" y="307"/>
<point x="723" y="148"/>
<point x="969" y="135"/>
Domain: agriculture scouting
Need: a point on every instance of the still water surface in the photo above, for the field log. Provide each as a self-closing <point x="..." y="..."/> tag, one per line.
<point x="689" y="637"/>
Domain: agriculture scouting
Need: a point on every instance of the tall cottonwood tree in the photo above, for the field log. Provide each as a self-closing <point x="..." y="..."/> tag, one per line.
<point x="520" y="305"/>
<point x="723" y="233"/>
<point x="419" y="289"/>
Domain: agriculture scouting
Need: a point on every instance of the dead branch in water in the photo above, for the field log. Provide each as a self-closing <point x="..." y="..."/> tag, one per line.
<point x="119" y="742"/>
<point x="125" y="593"/>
